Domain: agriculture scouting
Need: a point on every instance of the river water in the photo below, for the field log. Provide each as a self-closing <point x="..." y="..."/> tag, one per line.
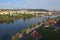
<point x="17" y="25"/>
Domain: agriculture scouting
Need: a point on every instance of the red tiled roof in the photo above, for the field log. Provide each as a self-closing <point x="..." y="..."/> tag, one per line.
<point x="52" y="21"/>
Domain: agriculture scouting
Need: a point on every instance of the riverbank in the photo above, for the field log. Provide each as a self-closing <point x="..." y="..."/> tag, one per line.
<point x="26" y="31"/>
<point x="8" y="17"/>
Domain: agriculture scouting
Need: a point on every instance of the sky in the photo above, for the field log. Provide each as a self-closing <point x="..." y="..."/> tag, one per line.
<point x="30" y="4"/>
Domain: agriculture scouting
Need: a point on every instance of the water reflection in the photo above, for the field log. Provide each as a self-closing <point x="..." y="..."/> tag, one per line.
<point x="7" y="21"/>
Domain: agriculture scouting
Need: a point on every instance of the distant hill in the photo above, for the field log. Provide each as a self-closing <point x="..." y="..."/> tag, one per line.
<point x="38" y="10"/>
<point x="25" y="9"/>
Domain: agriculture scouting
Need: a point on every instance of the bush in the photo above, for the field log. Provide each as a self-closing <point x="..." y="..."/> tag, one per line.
<point x="24" y="31"/>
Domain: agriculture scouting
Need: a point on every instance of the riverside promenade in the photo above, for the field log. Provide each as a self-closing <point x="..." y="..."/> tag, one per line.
<point x="28" y="33"/>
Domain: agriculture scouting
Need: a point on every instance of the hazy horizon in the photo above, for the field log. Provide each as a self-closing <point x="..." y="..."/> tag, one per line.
<point x="30" y="4"/>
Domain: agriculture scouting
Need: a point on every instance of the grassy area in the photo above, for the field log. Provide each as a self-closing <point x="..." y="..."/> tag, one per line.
<point x="48" y="34"/>
<point x="6" y="17"/>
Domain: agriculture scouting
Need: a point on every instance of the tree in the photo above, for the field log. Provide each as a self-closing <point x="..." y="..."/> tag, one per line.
<point x="58" y="22"/>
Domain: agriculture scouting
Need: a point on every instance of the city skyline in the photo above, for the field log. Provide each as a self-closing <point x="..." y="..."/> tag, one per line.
<point x="30" y="4"/>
